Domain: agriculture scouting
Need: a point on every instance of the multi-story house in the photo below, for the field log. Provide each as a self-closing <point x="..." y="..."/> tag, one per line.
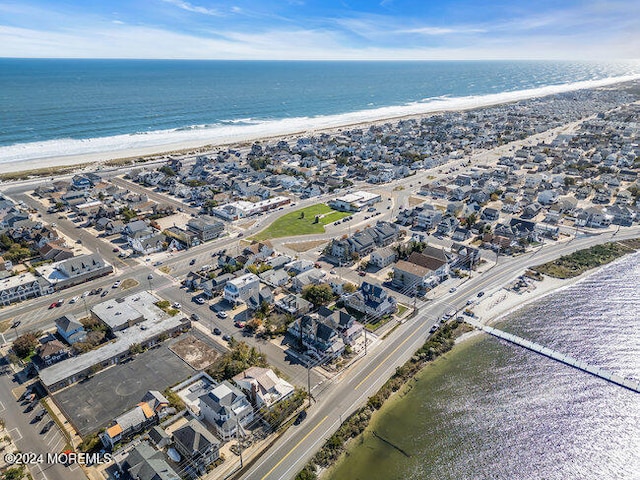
<point x="197" y="445"/>
<point x="226" y="408"/>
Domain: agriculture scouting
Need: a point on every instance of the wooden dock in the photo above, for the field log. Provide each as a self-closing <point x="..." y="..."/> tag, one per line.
<point x="627" y="383"/>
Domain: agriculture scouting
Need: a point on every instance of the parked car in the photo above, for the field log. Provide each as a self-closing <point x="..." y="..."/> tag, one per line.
<point x="115" y="250"/>
<point x="239" y="324"/>
<point x="301" y="416"/>
<point x="226" y="337"/>
<point x="200" y="300"/>
<point x="362" y="274"/>
<point x="195" y="316"/>
<point x="222" y="314"/>
<point x="47" y="426"/>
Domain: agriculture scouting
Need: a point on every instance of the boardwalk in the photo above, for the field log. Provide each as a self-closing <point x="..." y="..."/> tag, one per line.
<point x="560" y="357"/>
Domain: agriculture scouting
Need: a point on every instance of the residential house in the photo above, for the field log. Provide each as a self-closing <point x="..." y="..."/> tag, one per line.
<point x="383" y="257"/>
<point x="70" y="329"/>
<point x="244" y="289"/>
<point x="339" y="320"/>
<point x="275" y="278"/>
<point x="199" y="447"/>
<point x="447" y="225"/>
<point x="427" y="217"/>
<point x="225" y="407"/>
<point x="321" y="341"/>
<point x="146" y="463"/>
<point x="55" y="252"/>
<point x="310" y="277"/>
<point x="490" y="214"/>
<point x="52" y="352"/>
<point x="293" y="305"/>
<point x="371" y="299"/>
<point x="263" y="386"/>
<point x="298" y="266"/>
<point x="146" y="413"/>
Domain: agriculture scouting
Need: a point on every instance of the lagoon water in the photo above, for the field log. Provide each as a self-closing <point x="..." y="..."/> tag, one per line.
<point x="56" y="107"/>
<point x="492" y="410"/>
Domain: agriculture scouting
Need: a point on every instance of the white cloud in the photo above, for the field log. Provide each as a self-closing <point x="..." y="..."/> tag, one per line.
<point x="193" y="8"/>
<point x="442" y="30"/>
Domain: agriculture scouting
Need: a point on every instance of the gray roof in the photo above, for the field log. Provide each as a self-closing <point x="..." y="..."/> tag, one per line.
<point x="117" y="312"/>
<point x="68" y="323"/>
<point x="146" y="463"/>
<point x="194" y="437"/>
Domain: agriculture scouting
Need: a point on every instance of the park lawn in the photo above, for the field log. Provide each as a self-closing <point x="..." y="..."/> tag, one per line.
<point x="291" y="224"/>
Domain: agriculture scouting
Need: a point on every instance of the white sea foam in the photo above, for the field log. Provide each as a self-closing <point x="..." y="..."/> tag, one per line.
<point x="250" y="128"/>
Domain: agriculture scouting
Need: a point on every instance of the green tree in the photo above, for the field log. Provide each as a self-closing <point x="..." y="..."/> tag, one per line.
<point x="318" y="294"/>
<point x="25" y="344"/>
<point x="349" y="287"/>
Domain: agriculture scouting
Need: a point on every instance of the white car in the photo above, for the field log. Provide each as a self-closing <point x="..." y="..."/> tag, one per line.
<point x="74" y="299"/>
<point x="85" y="294"/>
<point x="222" y="314"/>
<point x="177" y="305"/>
<point x="116" y="284"/>
<point x="200" y="300"/>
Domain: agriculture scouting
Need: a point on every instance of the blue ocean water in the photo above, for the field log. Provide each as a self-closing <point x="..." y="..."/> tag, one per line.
<point x="54" y="103"/>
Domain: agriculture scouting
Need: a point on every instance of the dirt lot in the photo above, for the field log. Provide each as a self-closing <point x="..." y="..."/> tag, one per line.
<point x="195" y="352"/>
<point x="304" y="246"/>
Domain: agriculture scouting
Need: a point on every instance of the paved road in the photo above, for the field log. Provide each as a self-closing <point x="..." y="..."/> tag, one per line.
<point x="344" y="395"/>
<point x="26" y="431"/>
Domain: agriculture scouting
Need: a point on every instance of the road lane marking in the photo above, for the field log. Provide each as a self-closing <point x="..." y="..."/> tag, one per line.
<point x="295" y="446"/>
<point x="382" y="362"/>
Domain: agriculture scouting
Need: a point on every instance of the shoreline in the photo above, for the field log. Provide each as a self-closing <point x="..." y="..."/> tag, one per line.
<point x="511" y="303"/>
<point x="288" y="128"/>
<point x="502" y="303"/>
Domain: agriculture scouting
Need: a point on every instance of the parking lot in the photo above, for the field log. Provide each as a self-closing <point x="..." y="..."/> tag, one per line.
<point x="95" y="402"/>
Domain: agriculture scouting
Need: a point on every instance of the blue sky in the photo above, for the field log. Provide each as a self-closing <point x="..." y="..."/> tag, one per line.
<point x="321" y="29"/>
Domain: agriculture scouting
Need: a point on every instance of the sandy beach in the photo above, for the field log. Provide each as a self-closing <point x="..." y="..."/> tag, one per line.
<point x="154" y="145"/>
<point x="503" y="302"/>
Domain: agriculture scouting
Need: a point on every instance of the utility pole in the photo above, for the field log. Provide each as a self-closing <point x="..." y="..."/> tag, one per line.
<point x="309" y="382"/>
<point x="365" y="342"/>
<point x="238" y="438"/>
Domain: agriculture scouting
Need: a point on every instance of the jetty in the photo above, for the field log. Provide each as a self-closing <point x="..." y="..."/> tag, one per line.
<point x="611" y="377"/>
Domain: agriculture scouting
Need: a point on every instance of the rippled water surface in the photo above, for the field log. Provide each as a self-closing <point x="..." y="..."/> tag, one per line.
<point x="496" y="411"/>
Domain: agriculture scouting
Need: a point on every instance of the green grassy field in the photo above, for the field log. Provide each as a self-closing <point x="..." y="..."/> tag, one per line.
<point x="293" y="223"/>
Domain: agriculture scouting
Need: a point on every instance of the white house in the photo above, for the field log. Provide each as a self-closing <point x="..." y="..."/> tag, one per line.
<point x="263" y="386"/>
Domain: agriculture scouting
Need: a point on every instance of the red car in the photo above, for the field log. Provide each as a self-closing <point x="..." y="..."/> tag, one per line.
<point x="240" y="324"/>
<point x="362" y="274"/>
<point x="53" y="305"/>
